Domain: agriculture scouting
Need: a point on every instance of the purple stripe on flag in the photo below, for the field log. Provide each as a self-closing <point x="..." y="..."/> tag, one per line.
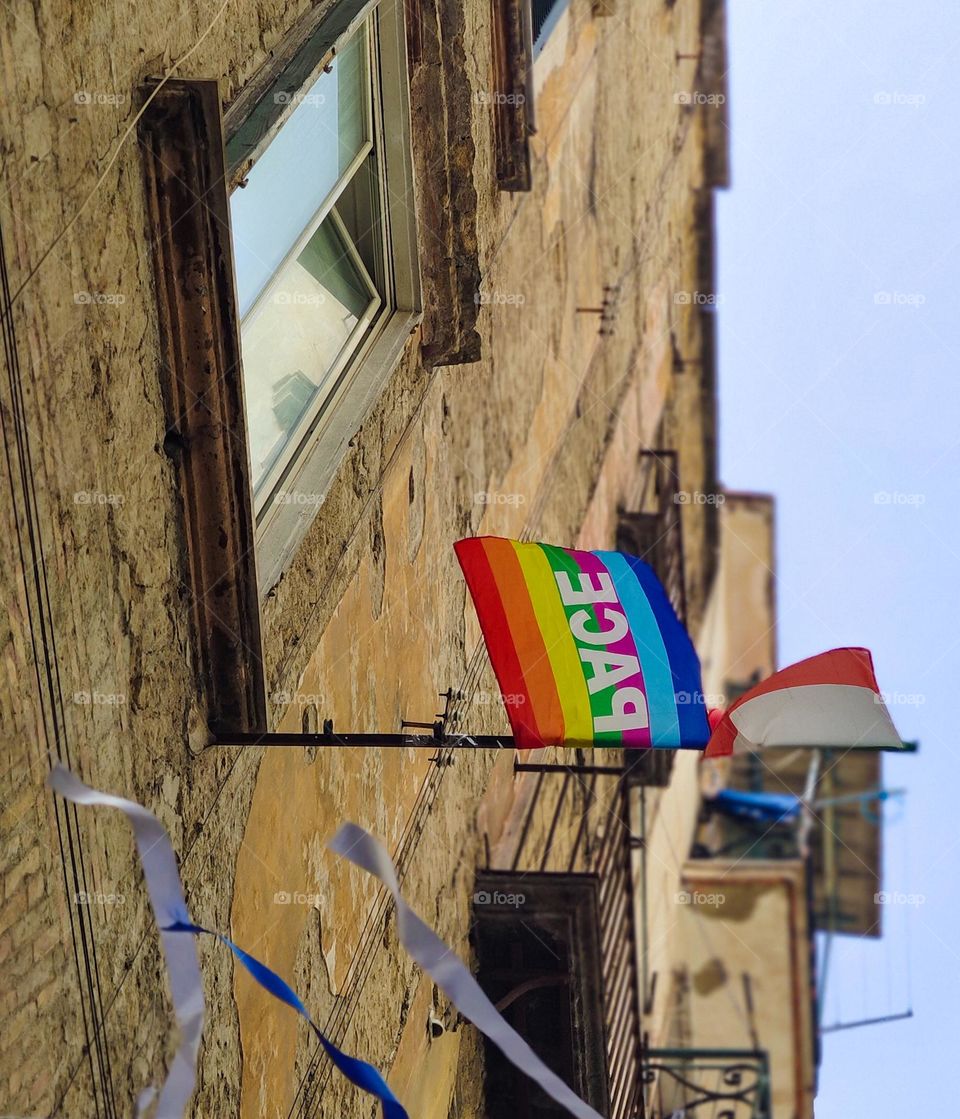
<point x="592" y="564"/>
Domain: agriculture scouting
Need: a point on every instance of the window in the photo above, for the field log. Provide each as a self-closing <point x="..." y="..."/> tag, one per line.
<point x="327" y="286"/>
<point x="511" y="103"/>
<point x="520" y="29"/>
<point x="546" y="15"/>
<point x="318" y="306"/>
<point x="537" y="940"/>
<point x="309" y="256"/>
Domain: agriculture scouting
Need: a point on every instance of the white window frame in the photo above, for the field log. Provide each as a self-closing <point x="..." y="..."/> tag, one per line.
<point x="295" y="498"/>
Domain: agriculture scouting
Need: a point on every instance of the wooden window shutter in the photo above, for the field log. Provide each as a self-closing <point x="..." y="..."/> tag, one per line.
<point x="200" y="372"/>
<point x="511" y="99"/>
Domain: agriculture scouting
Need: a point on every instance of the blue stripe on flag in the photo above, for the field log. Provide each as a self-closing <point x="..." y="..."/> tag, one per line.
<point x="684" y="662"/>
<point x="648" y="637"/>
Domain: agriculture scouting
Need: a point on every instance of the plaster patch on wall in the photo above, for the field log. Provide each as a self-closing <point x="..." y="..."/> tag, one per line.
<point x="710" y="977"/>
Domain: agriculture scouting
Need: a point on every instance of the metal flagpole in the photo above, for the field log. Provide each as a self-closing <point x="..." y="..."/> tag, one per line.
<point x="866" y="1022"/>
<point x="332" y="738"/>
<point x="430" y="734"/>
<point x="438" y="737"/>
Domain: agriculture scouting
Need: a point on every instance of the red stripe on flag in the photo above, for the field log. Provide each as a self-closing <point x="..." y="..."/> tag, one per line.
<point x="495" y="627"/>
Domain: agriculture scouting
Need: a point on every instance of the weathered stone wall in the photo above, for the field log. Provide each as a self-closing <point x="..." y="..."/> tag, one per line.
<point x="753" y="922"/>
<point x="371" y="621"/>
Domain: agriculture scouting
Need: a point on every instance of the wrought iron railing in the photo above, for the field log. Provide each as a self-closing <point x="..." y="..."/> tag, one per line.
<point x="649" y="526"/>
<point x="712" y="1083"/>
<point x="578" y="821"/>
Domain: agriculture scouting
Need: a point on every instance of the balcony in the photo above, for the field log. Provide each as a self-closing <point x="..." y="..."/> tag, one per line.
<point x="714" y="1083"/>
<point x="572" y="860"/>
<point x="649" y="527"/>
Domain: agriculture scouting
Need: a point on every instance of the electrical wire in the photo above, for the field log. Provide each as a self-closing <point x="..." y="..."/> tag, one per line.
<point x="46" y="667"/>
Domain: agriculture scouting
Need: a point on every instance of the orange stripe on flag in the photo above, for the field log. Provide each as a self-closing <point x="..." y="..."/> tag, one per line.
<point x="498" y="639"/>
<point x="527" y="639"/>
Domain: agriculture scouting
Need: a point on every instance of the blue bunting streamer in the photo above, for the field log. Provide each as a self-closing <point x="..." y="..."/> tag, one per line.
<point x="364" y="1075"/>
<point x="170" y="908"/>
<point x="451" y="974"/>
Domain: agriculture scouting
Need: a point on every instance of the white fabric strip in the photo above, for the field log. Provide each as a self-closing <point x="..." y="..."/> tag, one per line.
<point x="449" y="972"/>
<point x="169" y="906"/>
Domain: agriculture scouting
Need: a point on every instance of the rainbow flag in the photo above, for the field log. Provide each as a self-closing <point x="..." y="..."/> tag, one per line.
<point x="586" y="647"/>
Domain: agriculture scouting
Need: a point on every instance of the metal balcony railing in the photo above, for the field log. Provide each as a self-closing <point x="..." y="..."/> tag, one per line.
<point x="578" y="821"/>
<point x="649" y="527"/>
<point x="712" y="1083"/>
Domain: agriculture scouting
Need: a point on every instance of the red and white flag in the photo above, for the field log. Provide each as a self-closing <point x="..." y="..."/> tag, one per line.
<point x="831" y="699"/>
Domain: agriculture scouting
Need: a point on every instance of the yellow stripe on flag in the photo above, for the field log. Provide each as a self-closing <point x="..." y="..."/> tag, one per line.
<point x="561" y="648"/>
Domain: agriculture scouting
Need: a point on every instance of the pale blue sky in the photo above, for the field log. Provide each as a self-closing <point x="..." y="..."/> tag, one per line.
<point x="846" y="191"/>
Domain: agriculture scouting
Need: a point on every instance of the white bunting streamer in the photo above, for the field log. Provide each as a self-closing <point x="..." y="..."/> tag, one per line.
<point x="449" y="972"/>
<point x="169" y="907"/>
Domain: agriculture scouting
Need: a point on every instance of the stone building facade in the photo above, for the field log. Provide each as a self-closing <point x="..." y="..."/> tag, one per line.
<point x="554" y="338"/>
